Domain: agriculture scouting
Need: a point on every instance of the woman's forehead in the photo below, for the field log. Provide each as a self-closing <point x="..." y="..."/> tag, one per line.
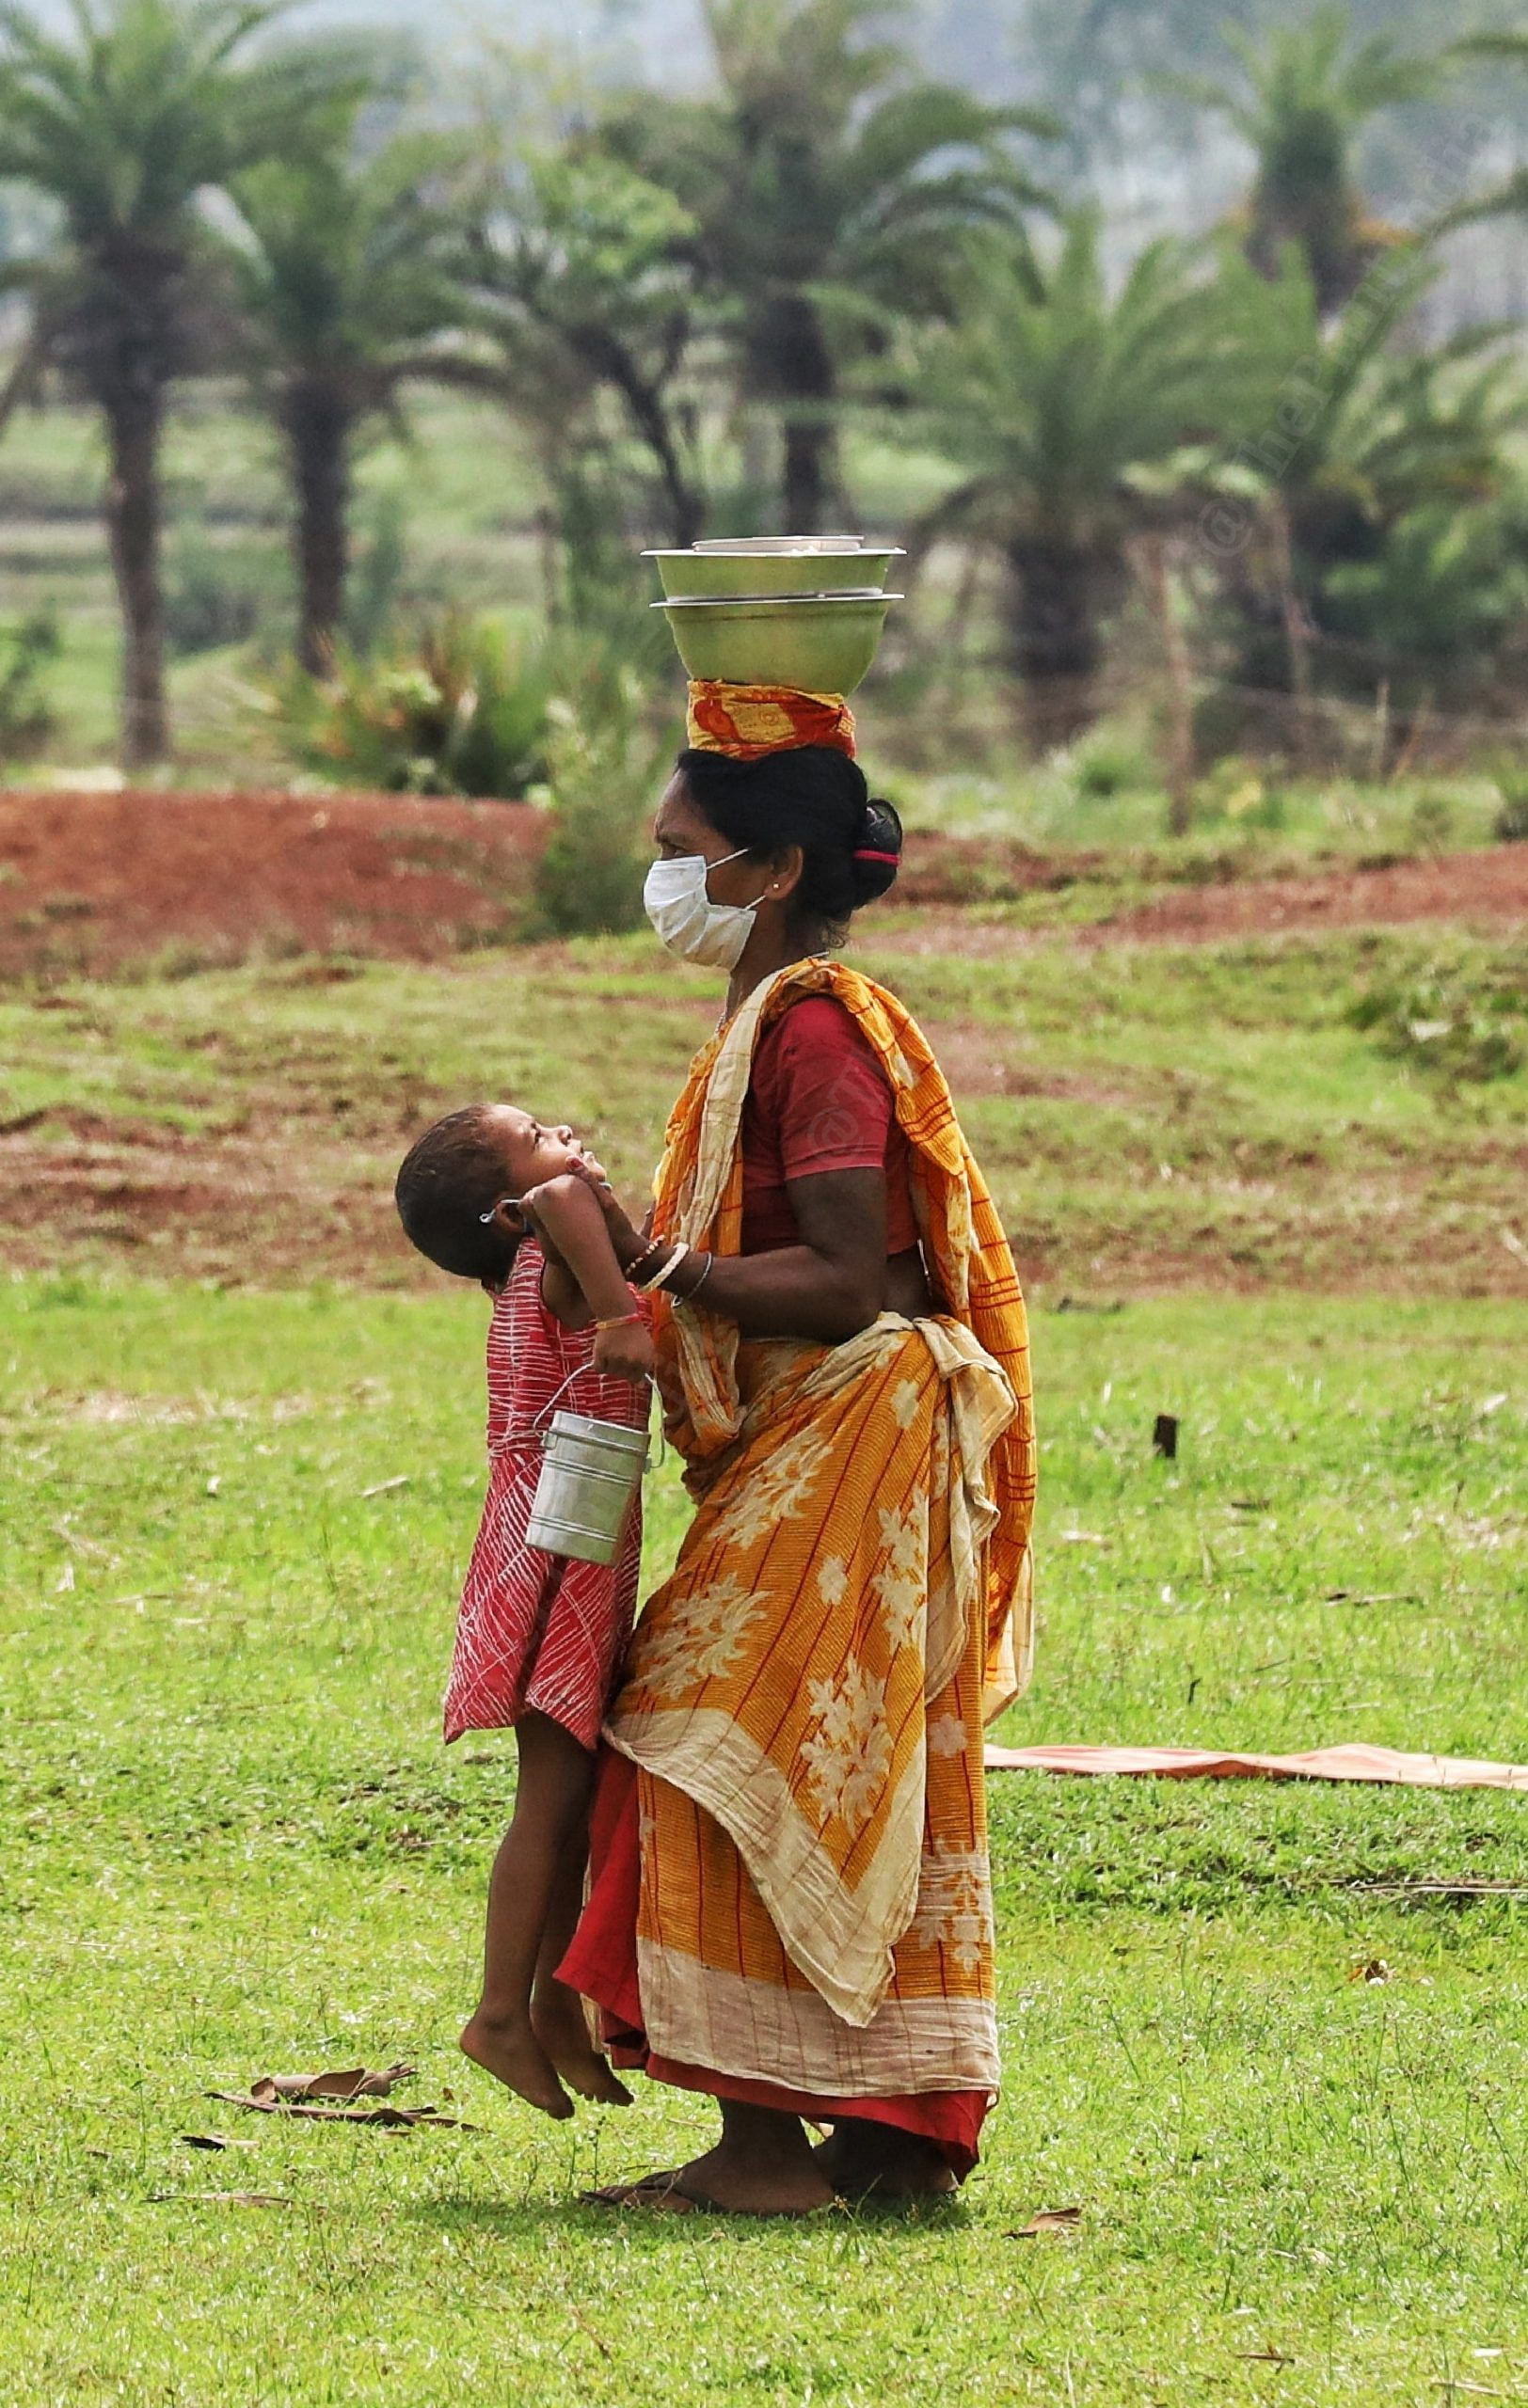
<point x="679" y="815"/>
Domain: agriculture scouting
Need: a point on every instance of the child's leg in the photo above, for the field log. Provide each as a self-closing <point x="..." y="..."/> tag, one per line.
<point x="557" y="2014"/>
<point x="550" y="1803"/>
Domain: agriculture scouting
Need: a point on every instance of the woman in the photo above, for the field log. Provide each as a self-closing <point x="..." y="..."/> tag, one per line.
<point x="790" y="1906"/>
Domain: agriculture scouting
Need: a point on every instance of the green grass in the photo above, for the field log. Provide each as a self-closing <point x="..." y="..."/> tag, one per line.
<point x="460" y="480"/>
<point x="234" y="1844"/>
<point x="1149" y="1116"/>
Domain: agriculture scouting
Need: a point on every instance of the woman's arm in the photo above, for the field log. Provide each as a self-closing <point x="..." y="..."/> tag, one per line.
<point x="831" y="1286"/>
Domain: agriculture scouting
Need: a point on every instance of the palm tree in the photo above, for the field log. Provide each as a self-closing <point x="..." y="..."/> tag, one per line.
<point x="349" y="273"/>
<point x="1383" y="443"/>
<point x="581" y="286"/>
<point x="123" y="124"/>
<point x="1300" y="105"/>
<point x="832" y="191"/>
<point x="1072" y="411"/>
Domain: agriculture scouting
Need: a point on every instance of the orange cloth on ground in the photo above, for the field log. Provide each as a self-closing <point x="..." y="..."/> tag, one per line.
<point x="747" y="721"/>
<point x="804" y="1696"/>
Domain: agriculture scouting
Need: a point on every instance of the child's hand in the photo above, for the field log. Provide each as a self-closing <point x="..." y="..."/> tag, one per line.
<point x="626" y="1353"/>
<point x="625" y="1236"/>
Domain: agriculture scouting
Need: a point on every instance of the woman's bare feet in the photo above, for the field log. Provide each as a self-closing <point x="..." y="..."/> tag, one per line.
<point x="558" y="2021"/>
<point x="762" y="2165"/>
<point x="869" y="2161"/>
<point x="510" y="2050"/>
<point x="719" y="2184"/>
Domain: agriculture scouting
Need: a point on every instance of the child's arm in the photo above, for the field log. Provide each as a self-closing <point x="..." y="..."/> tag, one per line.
<point x="566" y="1214"/>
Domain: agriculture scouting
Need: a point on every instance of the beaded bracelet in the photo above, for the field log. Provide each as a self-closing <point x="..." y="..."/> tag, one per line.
<point x="662" y="1276"/>
<point x="639" y="1262"/>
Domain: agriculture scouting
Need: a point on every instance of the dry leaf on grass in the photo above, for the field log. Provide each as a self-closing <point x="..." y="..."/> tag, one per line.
<point x="212" y="2140"/>
<point x="224" y="2199"/>
<point x="1265" y="2357"/>
<point x="1375" y="1971"/>
<point x="351" y="2082"/>
<point x="1047" y="2220"/>
<point x="265" y="2098"/>
<point x="325" y="2099"/>
<point x="385" y="1487"/>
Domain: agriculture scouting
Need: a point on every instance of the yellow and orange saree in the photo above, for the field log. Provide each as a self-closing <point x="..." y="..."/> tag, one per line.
<point x="806" y="1694"/>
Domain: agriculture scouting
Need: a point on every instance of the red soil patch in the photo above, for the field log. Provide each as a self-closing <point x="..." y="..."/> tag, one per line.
<point x="1458" y="886"/>
<point x="92" y="882"/>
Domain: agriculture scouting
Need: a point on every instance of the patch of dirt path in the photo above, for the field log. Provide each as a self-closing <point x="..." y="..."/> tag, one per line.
<point x="95" y="883"/>
<point x="1478" y="886"/>
<point x="91" y="884"/>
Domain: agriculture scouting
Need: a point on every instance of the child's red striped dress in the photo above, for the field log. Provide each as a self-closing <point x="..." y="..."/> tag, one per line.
<point x="539" y="1633"/>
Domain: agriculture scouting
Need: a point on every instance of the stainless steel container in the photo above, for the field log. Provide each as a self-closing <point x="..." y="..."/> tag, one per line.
<point x="590" y="1473"/>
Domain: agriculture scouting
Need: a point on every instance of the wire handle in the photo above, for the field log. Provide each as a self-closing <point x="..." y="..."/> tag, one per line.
<point x="541" y="1425"/>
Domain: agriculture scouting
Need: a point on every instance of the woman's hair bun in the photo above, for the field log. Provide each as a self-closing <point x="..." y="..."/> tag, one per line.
<point x="878" y="852"/>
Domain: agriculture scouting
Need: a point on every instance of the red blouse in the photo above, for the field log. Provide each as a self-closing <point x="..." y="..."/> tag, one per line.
<point x="819" y="1100"/>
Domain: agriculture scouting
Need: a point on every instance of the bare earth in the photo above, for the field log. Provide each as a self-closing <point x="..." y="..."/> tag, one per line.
<point x="294" y="1177"/>
<point x="91" y="883"/>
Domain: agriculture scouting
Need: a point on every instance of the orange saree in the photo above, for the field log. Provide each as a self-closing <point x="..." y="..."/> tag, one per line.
<point x="791" y="1898"/>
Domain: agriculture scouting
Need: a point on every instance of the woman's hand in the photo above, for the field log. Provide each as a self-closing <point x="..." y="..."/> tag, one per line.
<point x="626" y="1353"/>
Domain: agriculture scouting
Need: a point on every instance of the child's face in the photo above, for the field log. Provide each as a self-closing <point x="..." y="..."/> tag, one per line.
<point x="530" y="1151"/>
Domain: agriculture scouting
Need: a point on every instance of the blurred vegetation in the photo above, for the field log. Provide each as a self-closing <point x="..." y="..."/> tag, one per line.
<point x="463" y="710"/>
<point x="371" y="389"/>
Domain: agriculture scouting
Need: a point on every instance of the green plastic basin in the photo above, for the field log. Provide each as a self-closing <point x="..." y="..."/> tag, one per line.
<point x="746" y="574"/>
<point x="823" y="641"/>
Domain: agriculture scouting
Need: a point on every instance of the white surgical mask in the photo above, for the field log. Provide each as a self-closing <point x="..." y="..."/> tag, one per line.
<point x="686" y="919"/>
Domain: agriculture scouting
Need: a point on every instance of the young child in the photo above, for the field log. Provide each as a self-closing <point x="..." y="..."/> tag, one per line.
<point x="491" y="1195"/>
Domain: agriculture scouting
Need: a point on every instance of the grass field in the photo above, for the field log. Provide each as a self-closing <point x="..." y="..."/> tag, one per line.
<point x="1150" y="1115"/>
<point x="235" y="1846"/>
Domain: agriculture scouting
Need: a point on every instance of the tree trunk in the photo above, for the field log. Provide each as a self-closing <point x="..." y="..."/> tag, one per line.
<point x="319" y="423"/>
<point x="1054" y="636"/>
<point x="798" y="366"/>
<point x="609" y="359"/>
<point x="1153" y="558"/>
<point x="134" y="415"/>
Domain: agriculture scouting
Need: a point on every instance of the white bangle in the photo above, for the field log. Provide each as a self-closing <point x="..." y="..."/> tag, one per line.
<point x="665" y="1270"/>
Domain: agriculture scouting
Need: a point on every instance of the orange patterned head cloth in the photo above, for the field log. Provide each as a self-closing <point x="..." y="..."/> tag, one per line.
<point x="747" y="721"/>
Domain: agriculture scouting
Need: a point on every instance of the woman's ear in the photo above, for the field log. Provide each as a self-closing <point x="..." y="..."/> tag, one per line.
<point x="785" y="870"/>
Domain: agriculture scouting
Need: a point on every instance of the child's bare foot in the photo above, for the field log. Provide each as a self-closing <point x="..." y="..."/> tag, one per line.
<point x="510" y="2051"/>
<point x="557" y="2019"/>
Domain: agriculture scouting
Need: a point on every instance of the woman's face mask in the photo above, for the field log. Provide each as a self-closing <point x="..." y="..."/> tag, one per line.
<point x="686" y="919"/>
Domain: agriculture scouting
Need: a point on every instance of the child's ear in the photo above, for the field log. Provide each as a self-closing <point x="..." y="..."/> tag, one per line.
<point x="508" y="1216"/>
